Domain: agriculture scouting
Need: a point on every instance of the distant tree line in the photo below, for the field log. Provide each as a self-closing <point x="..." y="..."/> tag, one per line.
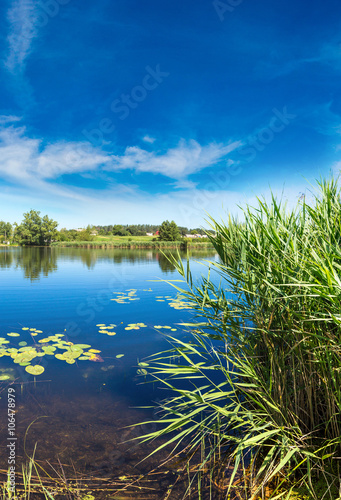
<point x="37" y="230"/>
<point x="140" y="230"/>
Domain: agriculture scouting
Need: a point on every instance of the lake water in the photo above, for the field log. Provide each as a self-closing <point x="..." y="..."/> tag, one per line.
<point x="77" y="414"/>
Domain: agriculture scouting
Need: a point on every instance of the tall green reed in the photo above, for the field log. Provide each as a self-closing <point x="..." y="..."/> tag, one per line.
<point x="259" y="379"/>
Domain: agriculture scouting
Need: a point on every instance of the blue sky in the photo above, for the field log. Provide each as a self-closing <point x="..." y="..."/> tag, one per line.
<point x="132" y="111"/>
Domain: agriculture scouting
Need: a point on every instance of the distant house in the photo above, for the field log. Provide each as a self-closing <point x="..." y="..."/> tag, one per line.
<point x="195" y="235"/>
<point x="157" y="233"/>
<point x="149" y="234"/>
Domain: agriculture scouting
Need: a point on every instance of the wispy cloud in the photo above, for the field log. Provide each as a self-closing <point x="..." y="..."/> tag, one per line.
<point x="22" y="17"/>
<point x="327" y="54"/>
<point x="25" y="160"/>
<point x="149" y="139"/>
<point x="4" y="119"/>
<point x="31" y="167"/>
<point x="185" y="159"/>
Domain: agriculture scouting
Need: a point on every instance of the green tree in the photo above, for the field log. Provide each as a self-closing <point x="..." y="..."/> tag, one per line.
<point x="5" y="229"/>
<point x="36" y="230"/>
<point x="169" y="231"/>
<point x="118" y="230"/>
<point x="85" y="235"/>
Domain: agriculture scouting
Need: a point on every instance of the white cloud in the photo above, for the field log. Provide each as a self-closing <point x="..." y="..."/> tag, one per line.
<point x="26" y="161"/>
<point x="5" y="119"/>
<point x="185" y="159"/>
<point x="22" y="17"/>
<point x="149" y="139"/>
<point x="31" y="166"/>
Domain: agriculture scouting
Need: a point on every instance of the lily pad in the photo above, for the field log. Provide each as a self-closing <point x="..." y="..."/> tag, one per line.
<point x="35" y="370"/>
<point x="118" y="356"/>
<point x="4" y="377"/>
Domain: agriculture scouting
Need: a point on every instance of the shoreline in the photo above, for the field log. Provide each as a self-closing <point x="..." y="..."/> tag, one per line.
<point x="150" y="245"/>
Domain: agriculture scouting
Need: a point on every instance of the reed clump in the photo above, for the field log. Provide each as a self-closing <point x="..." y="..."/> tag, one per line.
<point x="257" y="386"/>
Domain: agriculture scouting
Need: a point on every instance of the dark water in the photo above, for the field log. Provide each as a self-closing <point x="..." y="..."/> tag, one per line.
<point x="77" y="414"/>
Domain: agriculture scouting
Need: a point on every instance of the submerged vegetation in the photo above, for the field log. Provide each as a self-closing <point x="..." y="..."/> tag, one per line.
<point x="257" y="386"/>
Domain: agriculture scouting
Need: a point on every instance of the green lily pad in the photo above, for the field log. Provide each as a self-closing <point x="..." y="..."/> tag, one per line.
<point x="60" y="356"/>
<point x="4" y="377"/>
<point x="119" y="356"/>
<point x="35" y="370"/>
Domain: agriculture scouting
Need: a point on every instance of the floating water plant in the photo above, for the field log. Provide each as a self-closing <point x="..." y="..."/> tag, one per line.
<point x="35" y="370"/>
<point x="104" y="329"/>
<point x="135" y="326"/>
<point x="125" y="297"/>
<point x="179" y="303"/>
<point x="7" y="374"/>
<point x="53" y="345"/>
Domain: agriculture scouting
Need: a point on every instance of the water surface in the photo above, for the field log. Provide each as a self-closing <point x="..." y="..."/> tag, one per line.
<point x="78" y="413"/>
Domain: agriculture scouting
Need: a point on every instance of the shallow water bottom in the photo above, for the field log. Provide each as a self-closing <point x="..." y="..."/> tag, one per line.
<point x="89" y="440"/>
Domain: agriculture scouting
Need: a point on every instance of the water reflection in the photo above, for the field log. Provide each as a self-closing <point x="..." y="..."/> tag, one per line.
<point x="165" y="265"/>
<point x="35" y="262"/>
<point x="38" y="262"/>
<point x="6" y="258"/>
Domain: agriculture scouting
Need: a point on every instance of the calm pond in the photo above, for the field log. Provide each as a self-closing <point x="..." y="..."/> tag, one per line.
<point x="111" y="301"/>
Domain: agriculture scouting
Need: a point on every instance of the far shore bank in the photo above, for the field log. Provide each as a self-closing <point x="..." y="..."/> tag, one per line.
<point x="135" y="244"/>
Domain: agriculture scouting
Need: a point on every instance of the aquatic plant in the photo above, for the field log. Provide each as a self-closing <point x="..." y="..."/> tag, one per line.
<point x="125" y="297"/>
<point x="53" y="345"/>
<point x="258" y="384"/>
